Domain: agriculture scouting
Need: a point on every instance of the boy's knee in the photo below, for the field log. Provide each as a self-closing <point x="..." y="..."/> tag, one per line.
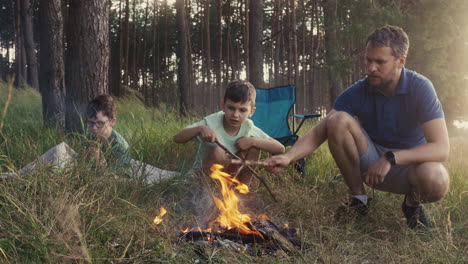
<point x="249" y="154"/>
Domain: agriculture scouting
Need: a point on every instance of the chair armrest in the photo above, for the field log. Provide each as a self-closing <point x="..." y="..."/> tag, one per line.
<point x="304" y="117"/>
<point x="307" y="116"/>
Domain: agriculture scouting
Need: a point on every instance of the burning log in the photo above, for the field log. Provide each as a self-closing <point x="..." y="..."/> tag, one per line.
<point x="273" y="237"/>
<point x="271" y="232"/>
<point x="231" y="234"/>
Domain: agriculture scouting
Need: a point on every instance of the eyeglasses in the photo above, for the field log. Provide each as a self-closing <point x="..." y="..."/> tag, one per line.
<point x="98" y="124"/>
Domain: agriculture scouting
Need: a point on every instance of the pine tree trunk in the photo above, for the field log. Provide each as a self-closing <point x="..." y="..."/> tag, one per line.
<point x="207" y="47"/>
<point x="332" y="50"/>
<point x="255" y="42"/>
<point x="115" y="77"/>
<point x="52" y="71"/>
<point x="20" y="65"/>
<point x="133" y="73"/>
<point x="30" y="46"/>
<point x="182" y="54"/>
<point x="303" y="76"/>
<point x="246" y="38"/>
<point x="227" y="20"/>
<point x="155" y="73"/>
<point x="277" y="38"/>
<point x="127" y="42"/>
<point x="143" y="58"/>
<point x="219" y="64"/>
<point x="87" y="59"/>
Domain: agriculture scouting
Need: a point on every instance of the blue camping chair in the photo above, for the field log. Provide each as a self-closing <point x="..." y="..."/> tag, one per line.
<point x="272" y="115"/>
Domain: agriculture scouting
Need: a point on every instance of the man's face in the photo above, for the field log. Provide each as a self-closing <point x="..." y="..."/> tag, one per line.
<point x="101" y="125"/>
<point x="383" y="69"/>
<point x="236" y="113"/>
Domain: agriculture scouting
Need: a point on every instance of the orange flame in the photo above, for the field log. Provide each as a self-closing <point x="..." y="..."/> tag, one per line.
<point x="158" y="219"/>
<point x="229" y="215"/>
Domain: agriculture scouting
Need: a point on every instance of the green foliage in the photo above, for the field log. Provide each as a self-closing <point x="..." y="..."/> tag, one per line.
<point x="81" y="215"/>
<point x="439" y="50"/>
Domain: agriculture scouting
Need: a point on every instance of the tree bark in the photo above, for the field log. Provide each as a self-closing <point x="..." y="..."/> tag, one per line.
<point x="219" y="64"/>
<point x="277" y="38"/>
<point x="115" y="75"/>
<point x="255" y="42"/>
<point x="332" y="50"/>
<point x="28" y="32"/>
<point x="143" y="58"/>
<point x="52" y="70"/>
<point x="127" y="42"/>
<point x="20" y="65"/>
<point x="155" y="97"/>
<point x="182" y="54"/>
<point x="87" y="58"/>
<point x="207" y="46"/>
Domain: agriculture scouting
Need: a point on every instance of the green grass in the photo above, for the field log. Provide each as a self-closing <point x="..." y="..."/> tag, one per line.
<point x="80" y="215"/>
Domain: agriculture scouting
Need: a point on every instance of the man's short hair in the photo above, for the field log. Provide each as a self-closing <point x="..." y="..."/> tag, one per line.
<point x="240" y="91"/>
<point x="390" y="36"/>
<point x="102" y="103"/>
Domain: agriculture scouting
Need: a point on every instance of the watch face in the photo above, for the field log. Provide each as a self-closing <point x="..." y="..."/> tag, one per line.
<point x="390" y="157"/>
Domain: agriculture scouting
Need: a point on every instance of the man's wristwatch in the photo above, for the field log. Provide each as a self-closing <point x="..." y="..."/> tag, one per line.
<point x="390" y="156"/>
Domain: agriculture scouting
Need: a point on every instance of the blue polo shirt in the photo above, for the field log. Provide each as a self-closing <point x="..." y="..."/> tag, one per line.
<point x="393" y="121"/>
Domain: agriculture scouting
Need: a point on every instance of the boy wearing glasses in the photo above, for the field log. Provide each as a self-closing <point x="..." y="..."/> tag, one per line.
<point x="100" y="119"/>
<point x="232" y="128"/>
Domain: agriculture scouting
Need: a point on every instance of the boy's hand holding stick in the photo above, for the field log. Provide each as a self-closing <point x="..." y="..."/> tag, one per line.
<point x="246" y="163"/>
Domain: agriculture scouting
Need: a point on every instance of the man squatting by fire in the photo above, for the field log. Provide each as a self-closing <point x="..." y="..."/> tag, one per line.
<point x="387" y="131"/>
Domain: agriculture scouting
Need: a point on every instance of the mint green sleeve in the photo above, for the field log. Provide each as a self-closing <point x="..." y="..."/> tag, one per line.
<point x="258" y="133"/>
<point x="199" y="123"/>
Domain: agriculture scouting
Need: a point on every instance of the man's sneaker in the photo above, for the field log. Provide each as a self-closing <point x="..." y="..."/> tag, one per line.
<point x="415" y="216"/>
<point x="354" y="205"/>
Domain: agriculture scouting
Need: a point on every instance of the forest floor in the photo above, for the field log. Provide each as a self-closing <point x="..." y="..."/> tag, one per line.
<point x="80" y="215"/>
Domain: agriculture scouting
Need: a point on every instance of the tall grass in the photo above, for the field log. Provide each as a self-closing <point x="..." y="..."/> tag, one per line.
<point x="82" y="215"/>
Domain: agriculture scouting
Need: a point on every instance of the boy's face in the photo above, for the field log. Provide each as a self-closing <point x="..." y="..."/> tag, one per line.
<point x="100" y="125"/>
<point x="236" y="113"/>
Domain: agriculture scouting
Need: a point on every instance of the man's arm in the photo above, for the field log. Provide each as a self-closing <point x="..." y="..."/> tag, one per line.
<point x="306" y="145"/>
<point x="188" y="133"/>
<point x="437" y="147"/>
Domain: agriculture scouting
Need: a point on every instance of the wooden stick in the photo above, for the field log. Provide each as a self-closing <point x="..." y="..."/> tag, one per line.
<point x="250" y="168"/>
<point x="249" y="162"/>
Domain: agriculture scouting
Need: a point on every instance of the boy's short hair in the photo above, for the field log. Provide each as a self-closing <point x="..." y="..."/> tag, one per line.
<point x="390" y="36"/>
<point x="102" y="103"/>
<point x="240" y="91"/>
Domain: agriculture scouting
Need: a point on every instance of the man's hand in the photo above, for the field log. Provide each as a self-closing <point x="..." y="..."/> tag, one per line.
<point x="244" y="143"/>
<point x="278" y="162"/>
<point x="207" y="134"/>
<point x="376" y="173"/>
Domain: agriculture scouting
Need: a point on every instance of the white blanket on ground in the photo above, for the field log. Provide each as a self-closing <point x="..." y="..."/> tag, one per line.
<point x="63" y="155"/>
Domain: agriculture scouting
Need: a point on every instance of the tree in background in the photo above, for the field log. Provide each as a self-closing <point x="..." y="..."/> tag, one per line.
<point x="183" y="54"/>
<point x="29" y="45"/>
<point x="318" y="45"/>
<point x="87" y="58"/>
<point x="52" y="70"/>
<point x="255" y="43"/>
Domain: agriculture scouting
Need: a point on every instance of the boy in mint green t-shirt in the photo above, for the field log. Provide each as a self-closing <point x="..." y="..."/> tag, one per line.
<point x="232" y="128"/>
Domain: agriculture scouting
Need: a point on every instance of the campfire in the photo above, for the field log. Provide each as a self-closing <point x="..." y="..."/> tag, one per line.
<point x="236" y="230"/>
